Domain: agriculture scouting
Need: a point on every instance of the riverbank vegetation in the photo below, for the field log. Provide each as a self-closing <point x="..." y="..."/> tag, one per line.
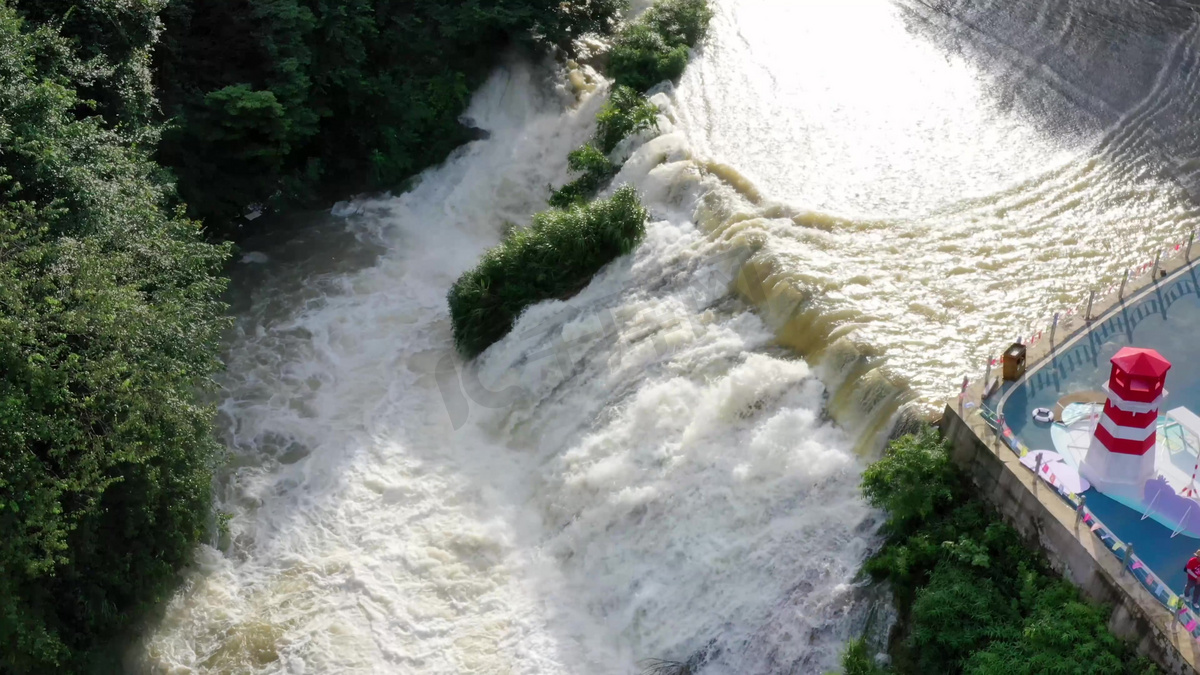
<point x="305" y="101"/>
<point x="972" y="597"/>
<point x="109" y="323"/>
<point x="555" y="257"/>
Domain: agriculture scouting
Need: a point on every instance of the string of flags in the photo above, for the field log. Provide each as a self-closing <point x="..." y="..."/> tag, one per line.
<point x="1036" y="333"/>
<point x="1161" y="592"/>
<point x="1140" y="571"/>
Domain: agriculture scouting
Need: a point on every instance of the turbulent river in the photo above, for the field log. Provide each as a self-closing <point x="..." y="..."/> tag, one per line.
<point x="854" y="203"/>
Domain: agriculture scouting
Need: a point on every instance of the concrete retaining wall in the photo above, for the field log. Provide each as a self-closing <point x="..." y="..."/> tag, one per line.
<point x="1040" y="515"/>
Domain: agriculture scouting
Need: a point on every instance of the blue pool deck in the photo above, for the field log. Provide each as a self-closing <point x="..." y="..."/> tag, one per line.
<point x="1166" y="317"/>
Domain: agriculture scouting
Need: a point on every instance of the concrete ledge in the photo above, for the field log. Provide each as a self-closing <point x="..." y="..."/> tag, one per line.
<point x="1036" y="511"/>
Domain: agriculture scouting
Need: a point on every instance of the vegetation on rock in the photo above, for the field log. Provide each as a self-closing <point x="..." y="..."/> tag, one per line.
<point x="595" y="169"/>
<point x="972" y="597"/>
<point x="485" y="302"/>
<point x="554" y="257"/>
<point x="624" y="113"/>
<point x="656" y="47"/>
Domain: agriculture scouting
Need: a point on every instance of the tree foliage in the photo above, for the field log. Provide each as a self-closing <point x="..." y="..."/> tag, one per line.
<point x="914" y="481"/>
<point x="555" y="257"/>
<point x="112" y="40"/>
<point x="109" y="319"/>
<point x="646" y="52"/>
<point x="973" y="598"/>
<point x="288" y="101"/>
<point x="656" y="46"/>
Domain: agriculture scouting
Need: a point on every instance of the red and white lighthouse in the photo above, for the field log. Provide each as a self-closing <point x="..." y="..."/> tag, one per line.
<point x="1120" y="458"/>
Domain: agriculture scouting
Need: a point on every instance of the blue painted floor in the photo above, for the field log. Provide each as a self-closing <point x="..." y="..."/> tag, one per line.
<point x="1167" y="319"/>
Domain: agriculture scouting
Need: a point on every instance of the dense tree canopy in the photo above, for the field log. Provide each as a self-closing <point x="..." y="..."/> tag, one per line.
<point x="294" y="100"/>
<point x="972" y="597"/>
<point x="109" y="321"/>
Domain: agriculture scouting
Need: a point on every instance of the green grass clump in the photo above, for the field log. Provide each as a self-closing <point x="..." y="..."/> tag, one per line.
<point x="655" y="48"/>
<point x="596" y="169"/>
<point x="972" y="597"/>
<point x="856" y="659"/>
<point x="555" y="257"/>
<point x="626" y="112"/>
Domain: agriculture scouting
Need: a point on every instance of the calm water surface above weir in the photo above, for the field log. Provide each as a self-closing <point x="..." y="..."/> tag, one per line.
<point x="891" y="190"/>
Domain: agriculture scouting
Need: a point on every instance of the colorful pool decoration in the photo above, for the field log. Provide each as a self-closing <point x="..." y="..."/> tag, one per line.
<point x="1129" y="452"/>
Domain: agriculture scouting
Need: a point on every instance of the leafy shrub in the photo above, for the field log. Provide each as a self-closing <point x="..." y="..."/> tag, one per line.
<point x="656" y="47"/>
<point x="1061" y="634"/>
<point x="109" y="321"/>
<point x="957" y="613"/>
<point x="596" y="169"/>
<point x="682" y="22"/>
<point x="555" y="257"/>
<point x="914" y="480"/>
<point x="972" y="597"/>
<point x="624" y="113"/>
<point x="857" y="660"/>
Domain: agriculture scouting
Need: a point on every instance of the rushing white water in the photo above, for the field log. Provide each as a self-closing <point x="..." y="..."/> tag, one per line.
<point x="648" y="470"/>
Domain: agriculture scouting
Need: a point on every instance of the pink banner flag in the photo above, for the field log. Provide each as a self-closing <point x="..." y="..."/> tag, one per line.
<point x="1137" y="565"/>
<point x="1095" y="527"/>
<point x="1190" y="626"/>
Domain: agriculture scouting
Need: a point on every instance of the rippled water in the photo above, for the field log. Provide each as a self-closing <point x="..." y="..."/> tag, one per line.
<point x="648" y="470"/>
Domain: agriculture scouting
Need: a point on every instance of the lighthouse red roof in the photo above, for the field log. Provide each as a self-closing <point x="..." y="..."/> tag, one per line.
<point x="1141" y="362"/>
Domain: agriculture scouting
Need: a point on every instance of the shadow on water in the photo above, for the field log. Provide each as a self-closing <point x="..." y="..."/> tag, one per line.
<point x="1123" y="73"/>
<point x="1063" y="60"/>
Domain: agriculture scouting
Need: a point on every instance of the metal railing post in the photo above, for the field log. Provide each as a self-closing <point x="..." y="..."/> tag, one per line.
<point x="1087" y="314"/>
<point x="1187" y="253"/>
<point x="1128" y="557"/>
<point x="1079" y="510"/>
<point x="1154" y="269"/>
<point x="1121" y="292"/>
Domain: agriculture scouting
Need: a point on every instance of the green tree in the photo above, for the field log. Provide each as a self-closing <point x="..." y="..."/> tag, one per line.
<point x="109" y="321"/>
<point x="914" y="481"/>
<point x="366" y="92"/>
<point x="972" y="597"/>
<point x="112" y="40"/>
